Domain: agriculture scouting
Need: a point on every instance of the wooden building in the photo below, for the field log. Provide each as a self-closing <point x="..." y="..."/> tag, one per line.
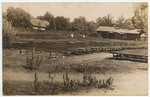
<point x="116" y="33"/>
<point x="38" y="24"/>
<point x="143" y="37"/>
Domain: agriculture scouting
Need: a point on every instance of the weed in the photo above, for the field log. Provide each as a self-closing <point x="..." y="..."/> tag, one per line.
<point x="33" y="61"/>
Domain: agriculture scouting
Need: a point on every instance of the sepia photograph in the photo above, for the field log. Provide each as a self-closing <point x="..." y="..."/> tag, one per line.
<point x="74" y="48"/>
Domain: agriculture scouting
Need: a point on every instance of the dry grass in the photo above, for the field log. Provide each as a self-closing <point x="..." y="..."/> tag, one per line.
<point x="53" y="87"/>
<point x="12" y="59"/>
<point x="102" y="66"/>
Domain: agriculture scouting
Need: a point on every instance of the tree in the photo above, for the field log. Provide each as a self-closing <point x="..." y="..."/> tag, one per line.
<point x="120" y="22"/>
<point x="105" y="21"/>
<point x="140" y="19"/>
<point x="8" y="31"/>
<point x="128" y="24"/>
<point x="62" y="23"/>
<point x="83" y="26"/>
<point x="80" y="25"/>
<point x="124" y="23"/>
<point x="91" y="27"/>
<point x="18" y="17"/>
<point x="50" y="18"/>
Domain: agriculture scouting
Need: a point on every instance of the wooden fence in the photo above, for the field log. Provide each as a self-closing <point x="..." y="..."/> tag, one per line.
<point x="80" y="51"/>
<point x="133" y="57"/>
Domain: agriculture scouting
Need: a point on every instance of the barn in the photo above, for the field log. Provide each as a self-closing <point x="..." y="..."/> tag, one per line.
<point x="38" y="24"/>
<point x="116" y="33"/>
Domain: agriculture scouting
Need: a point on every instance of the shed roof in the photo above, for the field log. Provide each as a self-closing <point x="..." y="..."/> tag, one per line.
<point x="38" y="22"/>
<point x="117" y="30"/>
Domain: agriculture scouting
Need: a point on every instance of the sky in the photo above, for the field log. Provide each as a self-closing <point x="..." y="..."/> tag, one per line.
<point x="91" y="11"/>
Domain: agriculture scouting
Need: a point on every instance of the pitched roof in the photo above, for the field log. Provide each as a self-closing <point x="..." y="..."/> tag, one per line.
<point x="105" y="28"/>
<point x="38" y="22"/>
<point x="117" y="30"/>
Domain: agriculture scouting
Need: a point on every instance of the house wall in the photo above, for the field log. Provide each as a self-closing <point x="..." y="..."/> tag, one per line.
<point x="112" y="35"/>
<point x="103" y="33"/>
<point x="116" y="35"/>
<point x="132" y="36"/>
<point x="38" y="28"/>
<point x="35" y="28"/>
<point x="41" y="28"/>
<point x="143" y="39"/>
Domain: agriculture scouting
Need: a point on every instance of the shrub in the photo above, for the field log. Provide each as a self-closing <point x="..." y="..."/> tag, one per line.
<point x="9" y="32"/>
<point x="33" y="61"/>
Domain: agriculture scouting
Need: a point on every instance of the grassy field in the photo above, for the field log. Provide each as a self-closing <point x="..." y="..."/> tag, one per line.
<point x="62" y="40"/>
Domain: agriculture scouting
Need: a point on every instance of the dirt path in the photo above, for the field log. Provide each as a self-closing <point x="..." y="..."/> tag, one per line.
<point x="87" y="58"/>
<point x="125" y="84"/>
<point x="90" y="57"/>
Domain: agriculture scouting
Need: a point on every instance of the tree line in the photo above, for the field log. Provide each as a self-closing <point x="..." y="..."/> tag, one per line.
<point x="20" y="18"/>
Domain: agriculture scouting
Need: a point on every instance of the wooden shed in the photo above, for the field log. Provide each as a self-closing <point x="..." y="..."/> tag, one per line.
<point x="143" y="37"/>
<point x="38" y="24"/>
<point x="117" y="33"/>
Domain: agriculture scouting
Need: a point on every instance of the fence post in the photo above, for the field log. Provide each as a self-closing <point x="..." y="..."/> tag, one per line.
<point x="36" y="83"/>
<point x="20" y="50"/>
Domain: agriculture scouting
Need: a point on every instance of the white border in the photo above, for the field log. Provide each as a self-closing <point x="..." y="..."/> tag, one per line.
<point x="75" y="0"/>
<point x="72" y="1"/>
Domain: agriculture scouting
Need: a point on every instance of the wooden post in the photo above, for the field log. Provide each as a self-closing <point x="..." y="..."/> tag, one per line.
<point x="20" y="50"/>
<point x="57" y="54"/>
<point x="117" y="56"/>
<point x="120" y="56"/>
<point x="50" y="54"/>
<point x="36" y="83"/>
<point x="26" y="51"/>
<point x="107" y="35"/>
<point x="113" y="55"/>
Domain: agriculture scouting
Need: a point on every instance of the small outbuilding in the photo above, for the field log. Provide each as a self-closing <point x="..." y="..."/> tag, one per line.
<point x="143" y="37"/>
<point x="38" y="24"/>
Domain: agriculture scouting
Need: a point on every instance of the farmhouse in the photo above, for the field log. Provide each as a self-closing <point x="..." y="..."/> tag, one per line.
<point x="116" y="33"/>
<point x="38" y="24"/>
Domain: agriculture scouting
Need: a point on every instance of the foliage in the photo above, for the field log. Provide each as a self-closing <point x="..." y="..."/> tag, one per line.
<point x="140" y="19"/>
<point x="83" y="26"/>
<point x="79" y="24"/>
<point x="18" y="17"/>
<point x="9" y="32"/>
<point x="62" y="23"/>
<point x="105" y="21"/>
<point x="91" y="27"/>
<point x="124" y="23"/>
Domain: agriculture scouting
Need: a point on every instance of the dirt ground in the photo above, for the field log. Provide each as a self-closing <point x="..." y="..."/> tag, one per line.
<point x="130" y="78"/>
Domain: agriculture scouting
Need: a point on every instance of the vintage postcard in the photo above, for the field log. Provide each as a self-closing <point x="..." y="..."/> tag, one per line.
<point x="75" y="48"/>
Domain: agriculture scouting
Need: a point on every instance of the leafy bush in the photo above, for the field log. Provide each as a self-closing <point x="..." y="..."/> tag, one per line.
<point x="9" y="32"/>
<point x="33" y="61"/>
